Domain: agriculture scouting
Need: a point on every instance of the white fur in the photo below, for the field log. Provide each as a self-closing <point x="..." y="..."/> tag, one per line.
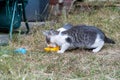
<point x="98" y="44"/>
<point x="60" y="41"/>
<point x="61" y="29"/>
<point x="64" y="47"/>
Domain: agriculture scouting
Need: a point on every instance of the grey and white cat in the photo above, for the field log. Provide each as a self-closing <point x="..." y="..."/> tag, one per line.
<point x="80" y="36"/>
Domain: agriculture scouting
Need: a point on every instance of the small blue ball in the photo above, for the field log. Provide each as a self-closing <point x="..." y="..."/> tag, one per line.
<point x="21" y="51"/>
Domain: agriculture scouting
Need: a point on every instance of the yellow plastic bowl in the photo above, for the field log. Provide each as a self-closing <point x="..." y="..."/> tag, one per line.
<point x="51" y="49"/>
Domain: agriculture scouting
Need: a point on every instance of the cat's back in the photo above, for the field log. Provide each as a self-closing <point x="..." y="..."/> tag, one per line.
<point x="84" y="33"/>
<point x="83" y="29"/>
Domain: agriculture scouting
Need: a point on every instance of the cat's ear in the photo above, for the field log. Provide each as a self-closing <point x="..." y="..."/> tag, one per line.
<point x="54" y="32"/>
<point x="50" y="32"/>
<point x="46" y="32"/>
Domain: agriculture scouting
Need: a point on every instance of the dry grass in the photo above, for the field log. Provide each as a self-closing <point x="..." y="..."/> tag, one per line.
<point x="72" y="65"/>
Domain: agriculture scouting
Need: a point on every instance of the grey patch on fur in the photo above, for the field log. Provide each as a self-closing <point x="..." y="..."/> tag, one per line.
<point x="108" y="40"/>
<point x="84" y="36"/>
<point x="69" y="40"/>
<point x="65" y="27"/>
<point x="68" y="26"/>
<point x="47" y="40"/>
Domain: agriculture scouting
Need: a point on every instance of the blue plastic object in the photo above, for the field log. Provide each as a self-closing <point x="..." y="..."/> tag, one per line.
<point x="21" y="51"/>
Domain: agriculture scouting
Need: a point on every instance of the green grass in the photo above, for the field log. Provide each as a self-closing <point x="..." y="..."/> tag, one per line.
<point x="72" y="65"/>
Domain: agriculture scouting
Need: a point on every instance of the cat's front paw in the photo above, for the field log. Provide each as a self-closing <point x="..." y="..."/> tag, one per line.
<point x="95" y="50"/>
<point x="60" y="52"/>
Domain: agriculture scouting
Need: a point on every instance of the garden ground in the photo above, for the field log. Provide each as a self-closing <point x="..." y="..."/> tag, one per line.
<point x="77" y="64"/>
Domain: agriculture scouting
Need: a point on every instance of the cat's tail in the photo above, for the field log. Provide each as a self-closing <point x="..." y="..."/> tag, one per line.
<point x="108" y="40"/>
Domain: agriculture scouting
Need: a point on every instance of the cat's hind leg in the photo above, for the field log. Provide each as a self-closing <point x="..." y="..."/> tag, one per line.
<point x="98" y="46"/>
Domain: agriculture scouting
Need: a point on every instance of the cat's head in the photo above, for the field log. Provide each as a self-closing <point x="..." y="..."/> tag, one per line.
<point x="50" y="34"/>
